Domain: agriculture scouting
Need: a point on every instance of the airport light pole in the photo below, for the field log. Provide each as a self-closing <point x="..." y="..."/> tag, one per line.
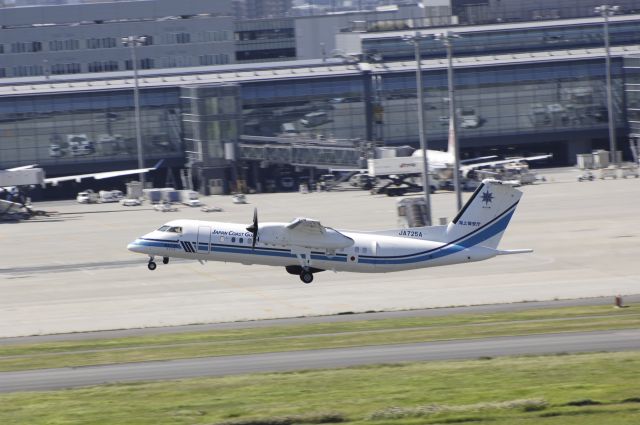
<point x="132" y="42"/>
<point x="606" y="11"/>
<point x="415" y="41"/>
<point x="446" y="38"/>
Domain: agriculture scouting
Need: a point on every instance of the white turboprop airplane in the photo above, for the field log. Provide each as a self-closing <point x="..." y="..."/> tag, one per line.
<point x="305" y="247"/>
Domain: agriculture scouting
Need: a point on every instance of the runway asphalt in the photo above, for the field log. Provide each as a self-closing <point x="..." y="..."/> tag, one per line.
<point x="51" y="379"/>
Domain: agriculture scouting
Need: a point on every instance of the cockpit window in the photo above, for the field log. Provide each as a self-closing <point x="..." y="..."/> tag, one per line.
<point x="170" y="229"/>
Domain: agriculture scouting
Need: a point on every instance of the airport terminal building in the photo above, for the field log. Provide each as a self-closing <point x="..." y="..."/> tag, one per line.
<point x="236" y="121"/>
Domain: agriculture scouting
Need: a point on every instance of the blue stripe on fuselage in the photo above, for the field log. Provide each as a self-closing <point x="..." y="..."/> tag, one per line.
<point x="156" y="243"/>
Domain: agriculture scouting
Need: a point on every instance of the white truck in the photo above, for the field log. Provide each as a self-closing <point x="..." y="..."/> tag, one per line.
<point x="396" y="165"/>
<point x="110" y="195"/>
<point x="402" y="175"/>
<point x="87" y="197"/>
<point x="190" y="198"/>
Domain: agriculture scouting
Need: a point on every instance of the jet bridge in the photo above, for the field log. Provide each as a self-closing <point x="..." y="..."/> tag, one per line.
<point x="25" y="177"/>
<point x="304" y="151"/>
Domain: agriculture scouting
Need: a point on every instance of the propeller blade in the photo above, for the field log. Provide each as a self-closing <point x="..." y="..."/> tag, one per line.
<point x="254" y="228"/>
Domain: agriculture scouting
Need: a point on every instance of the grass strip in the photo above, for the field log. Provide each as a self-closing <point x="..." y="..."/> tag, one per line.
<point x="545" y="390"/>
<point x="308" y="337"/>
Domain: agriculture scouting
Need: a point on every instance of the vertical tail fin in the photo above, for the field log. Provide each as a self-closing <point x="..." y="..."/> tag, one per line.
<point x="451" y="146"/>
<point x="485" y="216"/>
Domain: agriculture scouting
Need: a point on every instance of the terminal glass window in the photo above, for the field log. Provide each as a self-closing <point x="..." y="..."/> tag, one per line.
<point x="81" y="128"/>
<point x="27" y="70"/>
<point x="315" y="107"/>
<point x="536" y="99"/>
<point x="142" y="64"/>
<point x="26" y="47"/>
<point x="56" y="45"/>
<point x="101" y="43"/>
<point x="65" y="68"/>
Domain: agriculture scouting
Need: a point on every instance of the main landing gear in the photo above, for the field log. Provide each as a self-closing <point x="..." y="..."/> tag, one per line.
<point x="306" y="276"/>
<point x="151" y="265"/>
<point x="305" y="273"/>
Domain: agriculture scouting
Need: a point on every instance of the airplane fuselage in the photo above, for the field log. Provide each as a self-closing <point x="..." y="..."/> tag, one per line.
<point x="370" y="252"/>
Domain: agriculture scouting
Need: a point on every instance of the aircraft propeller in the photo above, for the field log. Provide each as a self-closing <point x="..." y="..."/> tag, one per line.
<point x="254" y="228"/>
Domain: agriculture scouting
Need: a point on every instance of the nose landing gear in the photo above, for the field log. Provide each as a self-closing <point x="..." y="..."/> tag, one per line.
<point x="151" y="265"/>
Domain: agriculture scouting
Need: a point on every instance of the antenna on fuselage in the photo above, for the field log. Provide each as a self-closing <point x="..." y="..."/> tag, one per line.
<point x="254" y="228"/>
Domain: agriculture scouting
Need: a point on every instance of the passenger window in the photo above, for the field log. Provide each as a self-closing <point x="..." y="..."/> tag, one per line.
<point x="240" y="240"/>
<point x="221" y="238"/>
<point x="357" y="250"/>
<point x="233" y="240"/>
<point x="364" y="250"/>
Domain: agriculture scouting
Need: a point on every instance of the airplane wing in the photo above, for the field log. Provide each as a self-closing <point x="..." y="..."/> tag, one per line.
<point x="307" y="225"/>
<point x="478" y="158"/>
<point x="466" y="168"/>
<point x="24" y="167"/>
<point x="99" y="176"/>
<point x="310" y="234"/>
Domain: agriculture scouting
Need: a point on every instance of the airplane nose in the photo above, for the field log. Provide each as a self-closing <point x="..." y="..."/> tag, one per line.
<point x="133" y="247"/>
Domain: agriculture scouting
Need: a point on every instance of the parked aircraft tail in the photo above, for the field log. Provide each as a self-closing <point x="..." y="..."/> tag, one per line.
<point x="451" y="142"/>
<point x="484" y="218"/>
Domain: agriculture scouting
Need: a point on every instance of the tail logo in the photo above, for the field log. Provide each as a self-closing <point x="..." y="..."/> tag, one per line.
<point x="487" y="198"/>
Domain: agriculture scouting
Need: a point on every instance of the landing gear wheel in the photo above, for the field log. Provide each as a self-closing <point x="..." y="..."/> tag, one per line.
<point x="306" y="276"/>
<point x="152" y="266"/>
<point x="165" y="260"/>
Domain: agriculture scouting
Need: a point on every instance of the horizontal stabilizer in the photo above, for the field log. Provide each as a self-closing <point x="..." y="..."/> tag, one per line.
<point x="513" y="251"/>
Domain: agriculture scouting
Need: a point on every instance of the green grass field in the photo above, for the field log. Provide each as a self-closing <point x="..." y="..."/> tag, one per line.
<point x="313" y="336"/>
<point x="570" y="389"/>
<point x="586" y="389"/>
